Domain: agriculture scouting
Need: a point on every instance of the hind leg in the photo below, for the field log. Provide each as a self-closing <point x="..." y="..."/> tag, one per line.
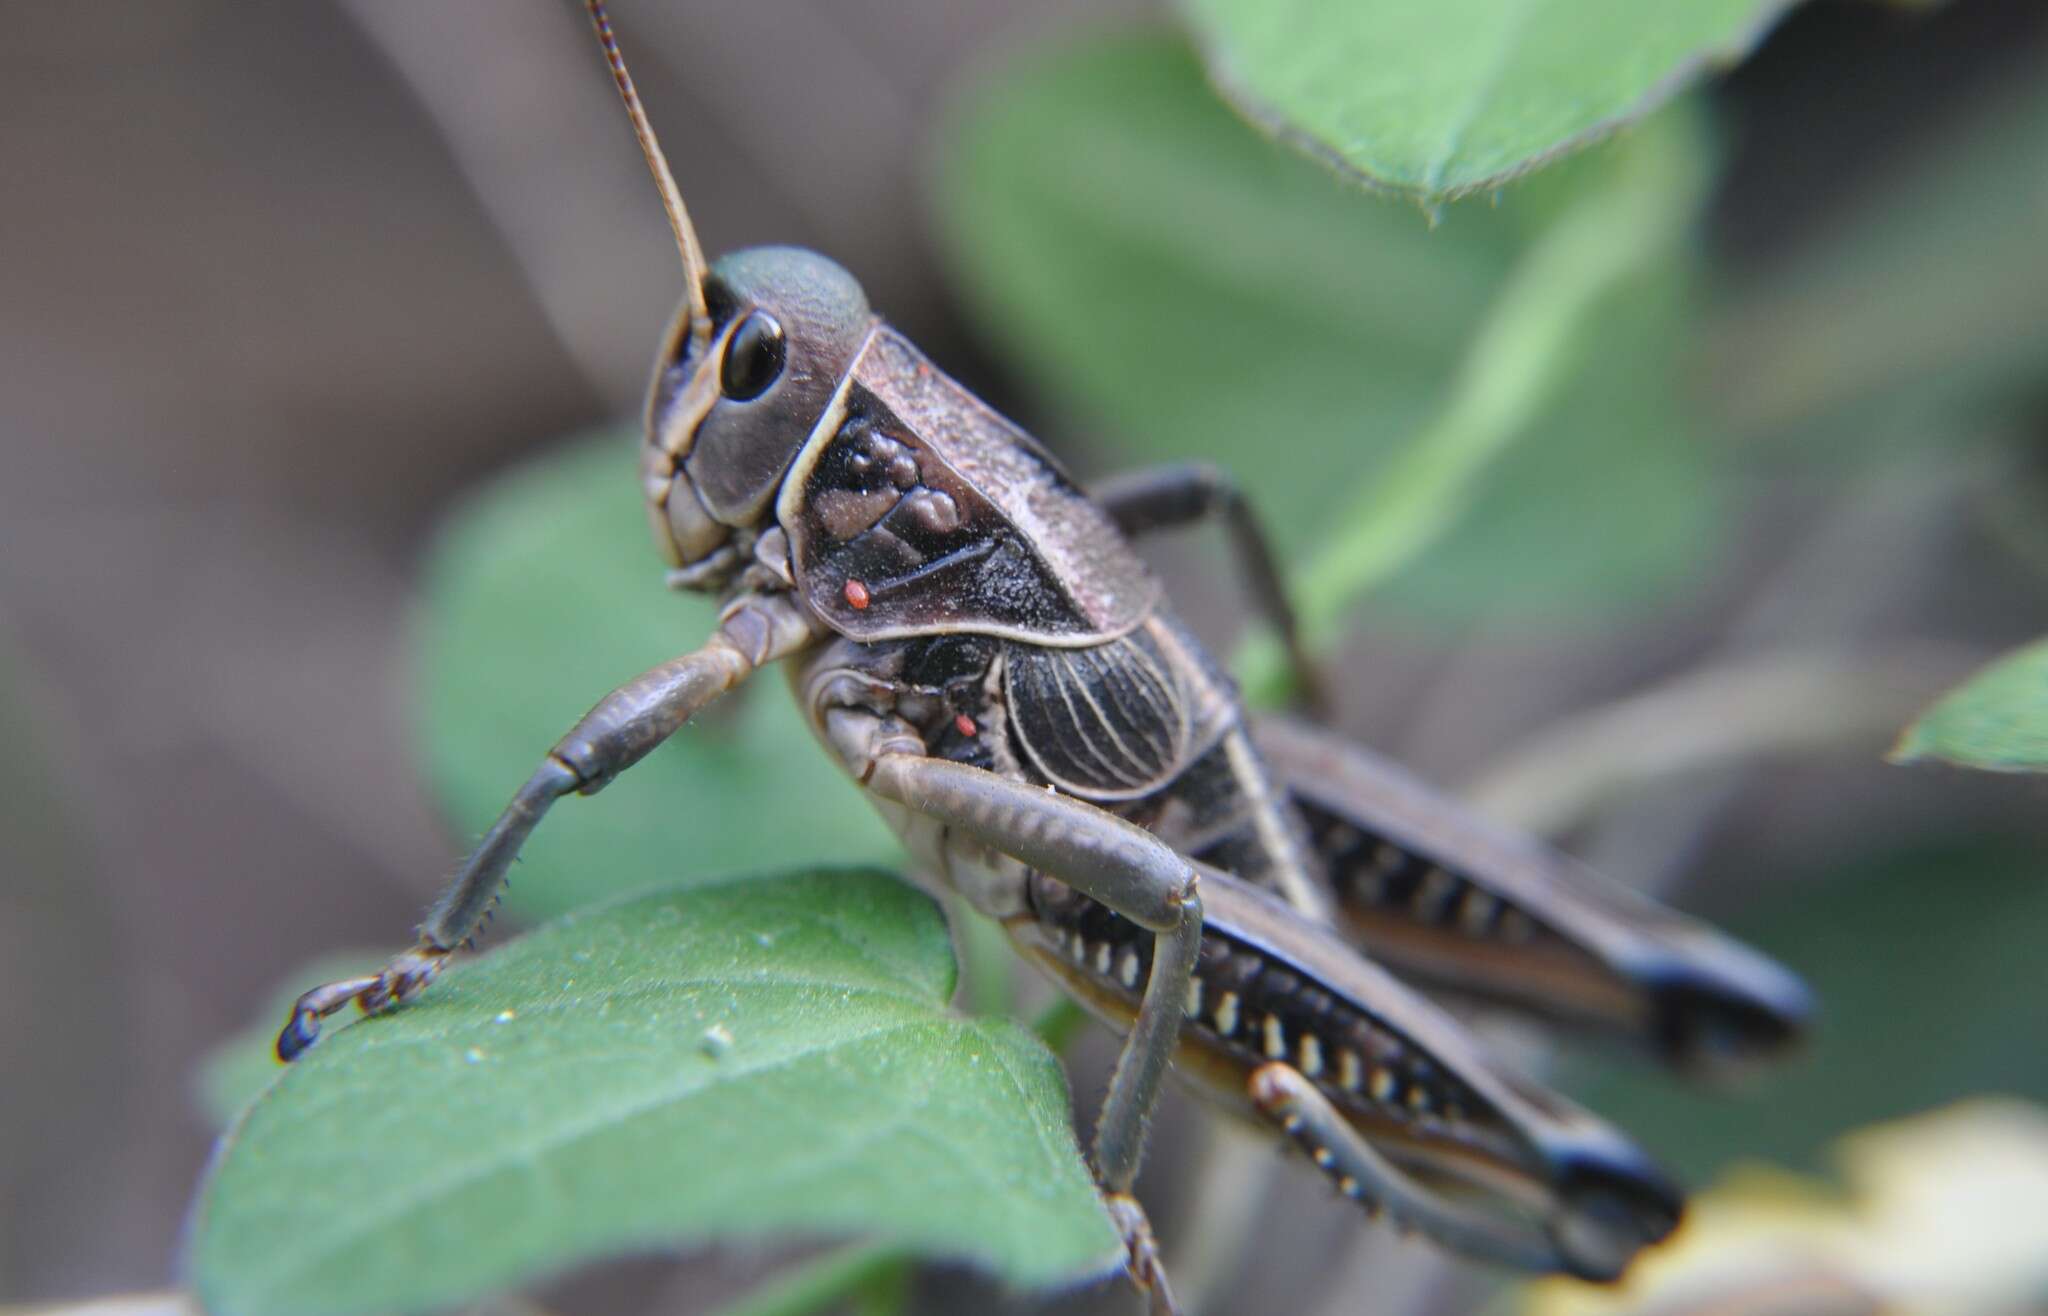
<point x="1165" y="497"/>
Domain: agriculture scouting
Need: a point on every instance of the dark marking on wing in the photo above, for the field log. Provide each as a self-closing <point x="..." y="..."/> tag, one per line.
<point x="951" y="519"/>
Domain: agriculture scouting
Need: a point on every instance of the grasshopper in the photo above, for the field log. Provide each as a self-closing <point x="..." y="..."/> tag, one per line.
<point x="974" y="640"/>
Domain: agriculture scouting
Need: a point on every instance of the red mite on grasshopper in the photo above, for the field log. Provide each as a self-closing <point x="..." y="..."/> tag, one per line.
<point x="973" y="639"/>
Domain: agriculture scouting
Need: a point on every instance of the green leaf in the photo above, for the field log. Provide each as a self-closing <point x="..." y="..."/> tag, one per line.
<point x="1191" y="291"/>
<point x="543" y="593"/>
<point x="754" y="1057"/>
<point x="1928" y="968"/>
<point x="1998" y="719"/>
<point x="1442" y="99"/>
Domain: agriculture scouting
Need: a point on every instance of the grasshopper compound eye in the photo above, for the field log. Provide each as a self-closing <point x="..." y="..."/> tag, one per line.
<point x="754" y="356"/>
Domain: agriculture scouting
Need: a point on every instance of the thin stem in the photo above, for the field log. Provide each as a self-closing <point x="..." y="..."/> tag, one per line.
<point x="985" y="961"/>
<point x="1524" y="350"/>
<point x="837" y="1276"/>
<point x="1057" y="1023"/>
<point x="888" y="1293"/>
<point x="1778" y="703"/>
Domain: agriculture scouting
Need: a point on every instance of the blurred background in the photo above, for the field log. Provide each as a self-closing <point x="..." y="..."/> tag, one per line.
<point x="278" y="284"/>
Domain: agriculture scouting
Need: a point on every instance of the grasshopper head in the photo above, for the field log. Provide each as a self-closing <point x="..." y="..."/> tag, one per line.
<point x="737" y="391"/>
<point x="748" y="366"/>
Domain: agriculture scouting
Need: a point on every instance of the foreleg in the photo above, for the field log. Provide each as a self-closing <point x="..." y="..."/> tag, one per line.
<point x="622" y="729"/>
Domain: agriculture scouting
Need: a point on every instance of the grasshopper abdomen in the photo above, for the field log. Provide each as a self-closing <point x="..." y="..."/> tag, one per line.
<point x="1273" y="987"/>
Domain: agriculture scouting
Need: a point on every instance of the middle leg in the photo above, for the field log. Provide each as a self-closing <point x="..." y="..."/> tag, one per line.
<point x="1109" y="860"/>
<point x="1162" y="497"/>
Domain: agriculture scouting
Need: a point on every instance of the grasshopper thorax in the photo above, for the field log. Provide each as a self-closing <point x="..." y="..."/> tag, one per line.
<point x="736" y="391"/>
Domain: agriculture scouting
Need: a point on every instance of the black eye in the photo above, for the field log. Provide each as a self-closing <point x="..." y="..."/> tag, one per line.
<point x="753" y="357"/>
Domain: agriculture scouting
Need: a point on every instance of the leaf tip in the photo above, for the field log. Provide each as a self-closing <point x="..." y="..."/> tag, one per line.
<point x="1909" y="748"/>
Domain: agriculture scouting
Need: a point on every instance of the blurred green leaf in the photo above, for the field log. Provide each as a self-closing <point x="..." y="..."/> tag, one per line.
<point x="1928" y="968"/>
<point x="1998" y="719"/>
<point x="1924" y="304"/>
<point x="1439" y="100"/>
<point x="731" y="1060"/>
<point x="543" y="593"/>
<point x="1518" y="359"/>
<point x="1198" y="293"/>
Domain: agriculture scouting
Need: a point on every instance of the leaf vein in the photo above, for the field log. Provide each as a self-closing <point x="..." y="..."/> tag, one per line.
<point x="427" y="1191"/>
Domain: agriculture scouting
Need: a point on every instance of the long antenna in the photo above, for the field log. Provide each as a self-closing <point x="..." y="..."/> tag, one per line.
<point x="694" y="265"/>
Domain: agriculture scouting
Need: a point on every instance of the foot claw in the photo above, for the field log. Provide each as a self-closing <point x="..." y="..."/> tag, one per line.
<point x="300" y="1033"/>
<point x="404" y="978"/>
<point x="1142" y="1260"/>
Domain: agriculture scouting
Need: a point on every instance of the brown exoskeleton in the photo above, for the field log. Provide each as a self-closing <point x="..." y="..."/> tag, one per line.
<point x="972" y="637"/>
